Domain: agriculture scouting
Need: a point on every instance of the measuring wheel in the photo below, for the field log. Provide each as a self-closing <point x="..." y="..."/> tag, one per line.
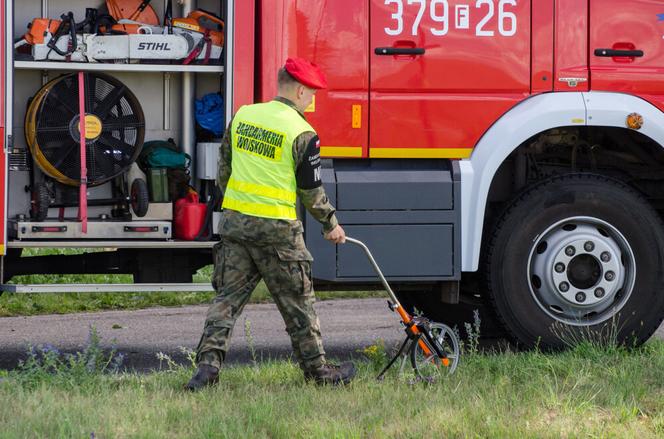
<point x="433" y="347"/>
<point x="429" y="366"/>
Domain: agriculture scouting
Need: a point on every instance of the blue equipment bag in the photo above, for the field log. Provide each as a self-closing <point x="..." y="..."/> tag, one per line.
<point x="210" y="113"/>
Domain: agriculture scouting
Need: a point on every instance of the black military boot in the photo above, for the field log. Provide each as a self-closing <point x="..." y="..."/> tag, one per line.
<point x="331" y="374"/>
<point x="205" y="375"/>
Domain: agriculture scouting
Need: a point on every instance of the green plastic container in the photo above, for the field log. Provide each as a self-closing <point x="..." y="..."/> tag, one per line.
<point x="158" y="183"/>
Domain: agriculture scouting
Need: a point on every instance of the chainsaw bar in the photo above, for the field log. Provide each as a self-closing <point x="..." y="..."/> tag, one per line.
<point x="133" y="47"/>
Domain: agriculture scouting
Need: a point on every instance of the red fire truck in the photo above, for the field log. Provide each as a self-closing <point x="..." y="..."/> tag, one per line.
<point x="500" y="155"/>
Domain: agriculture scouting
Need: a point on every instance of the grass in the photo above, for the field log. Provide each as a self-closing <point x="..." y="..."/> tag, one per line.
<point x="588" y="391"/>
<point x="65" y="303"/>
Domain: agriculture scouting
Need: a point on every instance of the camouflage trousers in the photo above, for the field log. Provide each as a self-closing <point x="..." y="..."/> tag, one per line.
<point x="286" y="270"/>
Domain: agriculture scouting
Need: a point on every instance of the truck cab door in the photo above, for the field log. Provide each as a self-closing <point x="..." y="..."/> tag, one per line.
<point x="627" y="47"/>
<point x="442" y="71"/>
<point x="334" y="35"/>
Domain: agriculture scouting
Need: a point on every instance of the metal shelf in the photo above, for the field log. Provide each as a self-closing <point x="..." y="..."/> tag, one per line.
<point x="104" y="67"/>
<point x="111" y="244"/>
<point x="104" y="288"/>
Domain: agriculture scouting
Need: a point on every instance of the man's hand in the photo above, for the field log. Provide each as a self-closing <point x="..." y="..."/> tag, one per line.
<point x="337" y="235"/>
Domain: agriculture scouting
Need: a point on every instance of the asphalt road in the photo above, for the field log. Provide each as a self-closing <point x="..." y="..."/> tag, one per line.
<point x="348" y="326"/>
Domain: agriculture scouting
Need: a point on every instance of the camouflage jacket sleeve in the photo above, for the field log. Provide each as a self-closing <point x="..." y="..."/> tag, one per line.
<point x="309" y="186"/>
<point x="224" y="164"/>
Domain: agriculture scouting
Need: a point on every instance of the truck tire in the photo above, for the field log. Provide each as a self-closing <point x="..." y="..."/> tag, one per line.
<point x="574" y="258"/>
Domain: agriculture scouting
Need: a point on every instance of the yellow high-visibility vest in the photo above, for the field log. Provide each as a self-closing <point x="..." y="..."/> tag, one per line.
<point x="262" y="181"/>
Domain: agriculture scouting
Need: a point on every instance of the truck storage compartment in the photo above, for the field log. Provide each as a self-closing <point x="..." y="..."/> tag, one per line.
<point x="43" y="194"/>
<point x="396" y="190"/>
<point x="406" y="250"/>
<point x="404" y="211"/>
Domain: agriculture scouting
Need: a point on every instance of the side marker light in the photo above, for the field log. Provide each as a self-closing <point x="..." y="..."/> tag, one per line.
<point x="635" y="121"/>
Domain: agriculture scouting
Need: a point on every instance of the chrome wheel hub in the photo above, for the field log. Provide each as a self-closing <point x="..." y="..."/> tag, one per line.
<point x="581" y="271"/>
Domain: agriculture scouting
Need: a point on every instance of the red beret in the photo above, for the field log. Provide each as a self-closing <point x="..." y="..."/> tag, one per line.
<point x="306" y="73"/>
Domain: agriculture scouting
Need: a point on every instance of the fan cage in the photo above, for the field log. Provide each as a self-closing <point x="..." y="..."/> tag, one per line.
<point x="52" y="128"/>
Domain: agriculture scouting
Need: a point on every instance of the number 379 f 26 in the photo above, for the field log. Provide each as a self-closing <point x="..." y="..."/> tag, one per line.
<point x="438" y="17"/>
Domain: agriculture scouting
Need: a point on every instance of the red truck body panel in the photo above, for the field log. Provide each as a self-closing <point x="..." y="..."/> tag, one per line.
<point x="335" y="36"/>
<point x="436" y="105"/>
<point x="3" y="154"/>
<point x="542" y="46"/>
<point x="471" y="74"/>
<point x="640" y="26"/>
<point x="244" y="60"/>
<point x="571" y="46"/>
<point x="482" y="58"/>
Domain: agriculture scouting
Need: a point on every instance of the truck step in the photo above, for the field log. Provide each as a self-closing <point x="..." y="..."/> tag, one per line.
<point x="96" y="230"/>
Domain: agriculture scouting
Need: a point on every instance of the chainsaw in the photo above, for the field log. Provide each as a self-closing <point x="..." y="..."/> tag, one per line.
<point x="199" y="36"/>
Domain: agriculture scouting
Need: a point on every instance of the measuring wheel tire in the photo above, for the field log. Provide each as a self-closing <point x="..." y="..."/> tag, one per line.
<point x="41" y="200"/>
<point x="577" y="257"/>
<point x="140" y="198"/>
<point x="429" y="367"/>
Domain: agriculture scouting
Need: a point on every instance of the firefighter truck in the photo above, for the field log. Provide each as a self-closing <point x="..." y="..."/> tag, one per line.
<point x="499" y="155"/>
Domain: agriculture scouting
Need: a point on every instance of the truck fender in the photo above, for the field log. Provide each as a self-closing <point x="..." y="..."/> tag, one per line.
<point x="532" y="116"/>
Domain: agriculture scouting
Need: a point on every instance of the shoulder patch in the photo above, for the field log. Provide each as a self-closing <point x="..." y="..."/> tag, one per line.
<point x="309" y="172"/>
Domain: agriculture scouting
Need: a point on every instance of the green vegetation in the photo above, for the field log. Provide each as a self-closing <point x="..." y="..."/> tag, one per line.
<point x="588" y="391"/>
<point x="33" y="304"/>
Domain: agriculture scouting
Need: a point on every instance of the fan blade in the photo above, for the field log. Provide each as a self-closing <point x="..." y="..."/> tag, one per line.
<point x="122" y="122"/>
<point x="62" y="157"/>
<point x="103" y="164"/>
<point x="90" y="91"/>
<point x="44" y="145"/>
<point x="62" y="102"/>
<point x="110" y="142"/>
<point x="50" y="145"/>
<point x="121" y="127"/>
<point x="105" y="106"/>
<point x="100" y="166"/>
<point x="62" y="129"/>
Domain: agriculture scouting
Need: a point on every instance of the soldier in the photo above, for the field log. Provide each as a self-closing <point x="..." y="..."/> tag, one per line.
<point x="268" y="157"/>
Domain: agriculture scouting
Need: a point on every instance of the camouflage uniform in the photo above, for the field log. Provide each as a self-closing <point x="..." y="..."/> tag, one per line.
<point x="254" y="248"/>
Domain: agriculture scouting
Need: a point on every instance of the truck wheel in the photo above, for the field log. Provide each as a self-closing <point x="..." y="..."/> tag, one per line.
<point x="574" y="258"/>
<point x="140" y="198"/>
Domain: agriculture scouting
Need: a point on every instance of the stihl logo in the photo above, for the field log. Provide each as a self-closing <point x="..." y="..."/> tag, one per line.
<point x="154" y="46"/>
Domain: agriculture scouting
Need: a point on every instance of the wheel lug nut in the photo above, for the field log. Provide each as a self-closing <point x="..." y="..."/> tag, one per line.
<point x="599" y="293"/>
<point x="589" y="246"/>
<point x="580" y="297"/>
<point x="560" y="267"/>
<point x="564" y="287"/>
<point x="610" y="275"/>
<point x="605" y="257"/>
<point x="570" y="251"/>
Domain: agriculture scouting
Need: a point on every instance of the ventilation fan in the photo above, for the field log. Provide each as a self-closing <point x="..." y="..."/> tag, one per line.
<point x="114" y="128"/>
